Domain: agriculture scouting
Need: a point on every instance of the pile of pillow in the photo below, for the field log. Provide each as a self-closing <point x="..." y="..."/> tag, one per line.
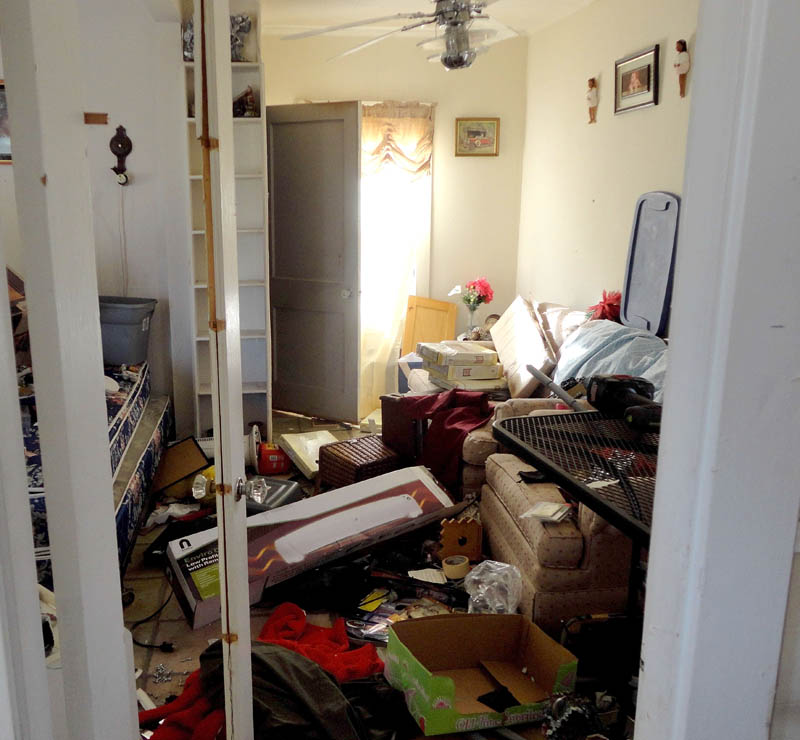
<point x="532" y="333"/>
<point x="563" y="342"/>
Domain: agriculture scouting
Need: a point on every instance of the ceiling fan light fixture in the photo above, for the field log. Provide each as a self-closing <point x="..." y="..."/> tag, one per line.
<point x="461" y="60"/>
<point x="458" y="53"/>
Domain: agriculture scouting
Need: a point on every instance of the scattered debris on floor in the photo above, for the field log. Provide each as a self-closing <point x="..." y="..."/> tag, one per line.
<point x="364" y="598"/>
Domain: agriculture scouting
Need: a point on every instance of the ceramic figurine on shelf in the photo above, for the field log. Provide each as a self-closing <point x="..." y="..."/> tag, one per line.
<point x="187" y="34"/>
<point x="240" y="27"/>
<point x="682" y="64"/>
<point x="591" y="99"/>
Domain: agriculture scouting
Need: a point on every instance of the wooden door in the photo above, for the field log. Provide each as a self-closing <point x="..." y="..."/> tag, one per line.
<point x="314" y="171"/>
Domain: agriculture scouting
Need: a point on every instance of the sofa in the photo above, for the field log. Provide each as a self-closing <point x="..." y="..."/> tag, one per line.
<point x="581" y="565"/>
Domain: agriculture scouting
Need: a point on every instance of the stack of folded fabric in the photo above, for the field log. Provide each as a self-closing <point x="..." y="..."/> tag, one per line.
<point x="466" y="366"/>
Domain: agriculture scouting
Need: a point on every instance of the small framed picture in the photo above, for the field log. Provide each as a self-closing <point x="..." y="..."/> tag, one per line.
<point x="5" y="133"/>
<point x="477" y="137"/>
<point x="636" y="81"/>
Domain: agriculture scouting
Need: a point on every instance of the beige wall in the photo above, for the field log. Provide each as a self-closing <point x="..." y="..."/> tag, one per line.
<point x="475" y="201"/>
<point x="580" y="181"/>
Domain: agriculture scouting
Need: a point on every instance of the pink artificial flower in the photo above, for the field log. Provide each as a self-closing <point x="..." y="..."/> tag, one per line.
<point x="481" y="290"/>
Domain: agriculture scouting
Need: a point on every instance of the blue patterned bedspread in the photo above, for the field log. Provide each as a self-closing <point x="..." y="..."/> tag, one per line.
<point x="124" y="409"/>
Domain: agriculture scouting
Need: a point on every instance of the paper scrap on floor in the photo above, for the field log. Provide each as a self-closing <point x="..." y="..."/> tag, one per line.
<point x="429" y="575"/>
<point x="371" y="423"/>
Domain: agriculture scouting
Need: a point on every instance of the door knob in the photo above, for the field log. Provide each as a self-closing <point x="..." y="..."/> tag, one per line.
<point x="346" y="293"/>
<point x="255" y="489"/>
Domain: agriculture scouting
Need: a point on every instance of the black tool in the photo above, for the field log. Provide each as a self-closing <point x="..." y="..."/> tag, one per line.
<point x="626" y="397"/>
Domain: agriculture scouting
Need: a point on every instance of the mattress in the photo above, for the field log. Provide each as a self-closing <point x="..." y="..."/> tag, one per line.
<point x="123" y="408"/>
<point x="126" y="409"/>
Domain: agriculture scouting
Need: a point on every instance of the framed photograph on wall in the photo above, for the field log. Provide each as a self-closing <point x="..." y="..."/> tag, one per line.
<point x="477" y="137"/>
<point x="636" y="81"/>
<point x="5" y="133"/>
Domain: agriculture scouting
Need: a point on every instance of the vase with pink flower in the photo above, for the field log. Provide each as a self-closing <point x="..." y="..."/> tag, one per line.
<point x="475" y="293"/>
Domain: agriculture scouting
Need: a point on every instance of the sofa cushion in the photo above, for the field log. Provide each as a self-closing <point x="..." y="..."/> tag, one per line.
<point x="555" y="545"/>
<point x="520" y="342"/>
<point x="557" y="322"/>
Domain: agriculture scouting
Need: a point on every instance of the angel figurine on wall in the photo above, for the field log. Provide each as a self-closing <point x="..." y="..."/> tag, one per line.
<point x="682" y="64"/>
<point x="591" y="99"/>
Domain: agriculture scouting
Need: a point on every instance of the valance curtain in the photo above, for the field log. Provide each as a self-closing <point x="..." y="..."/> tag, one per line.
<point x="396" y="153"/>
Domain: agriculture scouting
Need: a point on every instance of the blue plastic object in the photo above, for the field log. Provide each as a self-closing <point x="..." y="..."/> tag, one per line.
<point x="647" y="290"/>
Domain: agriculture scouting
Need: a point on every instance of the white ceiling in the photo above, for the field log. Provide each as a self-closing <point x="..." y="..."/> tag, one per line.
<point x="526" y="16"/>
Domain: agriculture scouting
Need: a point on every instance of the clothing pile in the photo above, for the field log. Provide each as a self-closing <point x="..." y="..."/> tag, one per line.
<point x="307" y="685"/>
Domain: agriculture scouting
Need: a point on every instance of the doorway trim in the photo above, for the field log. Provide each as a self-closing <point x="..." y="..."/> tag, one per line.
<point x="727" y="499"/>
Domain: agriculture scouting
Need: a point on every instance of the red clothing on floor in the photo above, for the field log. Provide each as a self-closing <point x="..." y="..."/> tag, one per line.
<point x="189" y="717"/>
<point x="327" y="646"/>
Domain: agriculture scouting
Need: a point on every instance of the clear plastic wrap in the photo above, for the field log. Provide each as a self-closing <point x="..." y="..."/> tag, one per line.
<point x="493" y="588"/>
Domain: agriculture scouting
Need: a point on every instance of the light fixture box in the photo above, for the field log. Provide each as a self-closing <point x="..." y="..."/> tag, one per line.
<point x="292" y="539"/>
<point x="449" y="666"/>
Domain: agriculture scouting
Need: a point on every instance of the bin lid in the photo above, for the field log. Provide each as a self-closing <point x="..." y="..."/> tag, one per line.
<point x="647" y="290"/>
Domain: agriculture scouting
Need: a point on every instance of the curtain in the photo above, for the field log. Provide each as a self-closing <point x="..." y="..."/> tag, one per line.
<point x="396" y="148"/>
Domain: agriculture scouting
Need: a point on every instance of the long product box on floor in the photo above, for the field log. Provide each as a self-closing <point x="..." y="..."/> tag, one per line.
<point x="292" y="539"/>
<point x="471" y="672"/>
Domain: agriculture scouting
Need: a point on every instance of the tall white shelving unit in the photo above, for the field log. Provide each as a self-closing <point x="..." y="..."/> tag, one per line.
<point x="251" y="212"/>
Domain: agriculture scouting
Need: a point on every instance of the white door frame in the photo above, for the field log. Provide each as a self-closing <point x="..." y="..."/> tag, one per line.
<point x="41" y="46"/>
<point x="213" y="58"/>
<point x="727" y="499"/>
<point x="24" y="706"/>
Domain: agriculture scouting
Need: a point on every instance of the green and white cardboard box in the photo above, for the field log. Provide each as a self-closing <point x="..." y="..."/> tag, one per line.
<point x="444" y="664"/>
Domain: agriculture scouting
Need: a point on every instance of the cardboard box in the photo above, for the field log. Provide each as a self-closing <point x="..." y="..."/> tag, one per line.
<point x="457" y="353"/>
<point x="292" y="539"/>
<point x="444" y="664"/>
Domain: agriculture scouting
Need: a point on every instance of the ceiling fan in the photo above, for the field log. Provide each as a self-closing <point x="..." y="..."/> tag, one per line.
<point x="462" y="31"/>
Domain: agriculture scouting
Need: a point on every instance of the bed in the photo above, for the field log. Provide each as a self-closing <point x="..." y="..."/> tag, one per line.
<point x="138" y="426"/>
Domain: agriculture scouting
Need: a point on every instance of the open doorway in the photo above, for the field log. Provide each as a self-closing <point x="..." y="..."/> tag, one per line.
<point x="350" y="219"/>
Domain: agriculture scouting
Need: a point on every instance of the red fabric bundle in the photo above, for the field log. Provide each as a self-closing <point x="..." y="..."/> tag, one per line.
<point x="327" y="646"/>
<point x="189" y="717"/>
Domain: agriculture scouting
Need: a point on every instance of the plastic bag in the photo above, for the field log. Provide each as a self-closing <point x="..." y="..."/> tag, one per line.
<point x="493" y="588"/>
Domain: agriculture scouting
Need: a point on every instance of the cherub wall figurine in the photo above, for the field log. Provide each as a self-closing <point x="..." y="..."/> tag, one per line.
<point x="591" y="99"/>
<point x="682" y="64"/>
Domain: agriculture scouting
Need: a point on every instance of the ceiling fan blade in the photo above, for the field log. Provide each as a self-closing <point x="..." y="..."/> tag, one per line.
<point x="354" y="24"/>
<point x="381" y="38"/>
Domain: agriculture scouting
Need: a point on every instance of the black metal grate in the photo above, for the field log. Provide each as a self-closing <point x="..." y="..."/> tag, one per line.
<point x="585" y="449"/>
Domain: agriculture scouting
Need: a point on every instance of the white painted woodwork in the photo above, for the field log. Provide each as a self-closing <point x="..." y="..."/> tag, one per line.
<point x="24" y="699"/>
<point x="249" y="152"/>
<point x="314" y="173"/>
<point x="727" y="495"/>
<point x="177" y="229"/>
<point x="226" y="375"/>
<point x="43" y="74"/>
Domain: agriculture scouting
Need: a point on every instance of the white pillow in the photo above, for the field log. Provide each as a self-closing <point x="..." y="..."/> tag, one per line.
<point x="557" y="322"/>
<point x="519" y="342"/>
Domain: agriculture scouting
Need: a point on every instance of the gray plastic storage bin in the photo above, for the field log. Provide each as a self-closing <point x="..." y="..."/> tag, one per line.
<point x="125" y="326"/>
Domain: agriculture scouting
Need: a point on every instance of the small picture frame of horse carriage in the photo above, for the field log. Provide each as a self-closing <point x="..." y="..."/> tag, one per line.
<point x="477" y="137"/>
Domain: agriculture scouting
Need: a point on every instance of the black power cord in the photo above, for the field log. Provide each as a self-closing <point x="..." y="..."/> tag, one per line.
<point x="164" y="647"/>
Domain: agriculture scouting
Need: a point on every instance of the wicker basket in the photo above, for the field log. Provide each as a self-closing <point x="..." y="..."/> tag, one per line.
<point x="353" y="460"/>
